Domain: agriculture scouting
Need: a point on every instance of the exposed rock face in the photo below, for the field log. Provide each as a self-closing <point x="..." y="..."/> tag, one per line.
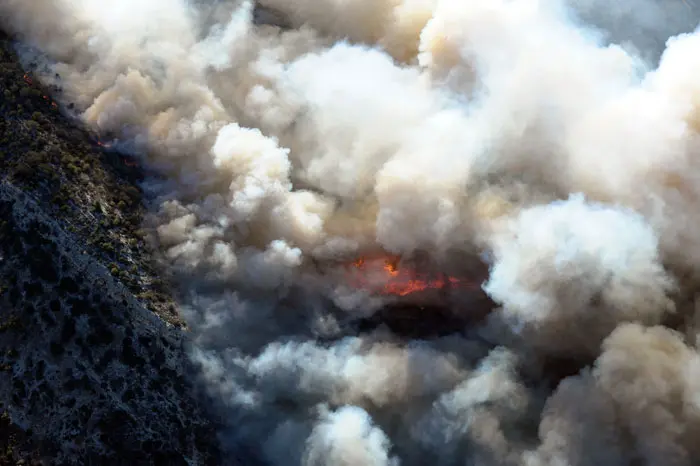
<point x="90" y="371"/>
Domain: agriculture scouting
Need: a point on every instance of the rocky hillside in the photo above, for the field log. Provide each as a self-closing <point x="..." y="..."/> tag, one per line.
<point x="91" y="346"/>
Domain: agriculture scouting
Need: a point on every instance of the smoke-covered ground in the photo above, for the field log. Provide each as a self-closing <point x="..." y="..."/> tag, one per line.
<point x="557" y="141"/>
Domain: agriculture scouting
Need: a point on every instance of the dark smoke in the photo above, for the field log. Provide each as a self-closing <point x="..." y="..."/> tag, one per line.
<point x="555" y="141"/>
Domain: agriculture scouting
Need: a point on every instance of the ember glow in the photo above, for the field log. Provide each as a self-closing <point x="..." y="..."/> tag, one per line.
<point x="389" y="276"/>
<point x="557" y="140"/>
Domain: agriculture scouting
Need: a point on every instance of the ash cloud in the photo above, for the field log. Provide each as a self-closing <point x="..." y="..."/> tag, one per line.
<point x="555" y="139"/>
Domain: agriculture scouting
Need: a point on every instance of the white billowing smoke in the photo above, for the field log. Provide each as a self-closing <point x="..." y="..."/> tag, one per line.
<point x="556" y="138"/>
<point x="347" y="437"/>
<point x="569" y="272"/>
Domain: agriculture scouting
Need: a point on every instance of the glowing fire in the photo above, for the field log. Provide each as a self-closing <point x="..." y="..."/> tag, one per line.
<point x="384" y="276"/>
<point x="126" y="160"/>
<point x="30" y="82"/>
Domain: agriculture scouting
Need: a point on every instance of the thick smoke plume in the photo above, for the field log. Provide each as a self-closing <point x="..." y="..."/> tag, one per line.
<point x="556" y="141"/>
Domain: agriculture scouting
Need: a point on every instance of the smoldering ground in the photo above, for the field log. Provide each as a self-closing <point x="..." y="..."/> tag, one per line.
<point x="556" y="140"/>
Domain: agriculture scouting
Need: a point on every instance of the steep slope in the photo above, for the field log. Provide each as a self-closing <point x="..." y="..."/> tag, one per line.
<point x="91" y="346"/>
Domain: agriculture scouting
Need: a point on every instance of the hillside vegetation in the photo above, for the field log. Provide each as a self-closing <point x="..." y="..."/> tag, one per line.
<point x="91" y="359"/>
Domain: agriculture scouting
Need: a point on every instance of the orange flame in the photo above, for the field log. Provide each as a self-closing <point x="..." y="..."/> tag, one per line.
<point x="385" y="276"/>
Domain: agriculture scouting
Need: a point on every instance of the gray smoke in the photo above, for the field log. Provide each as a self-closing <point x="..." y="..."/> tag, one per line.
<point x="556" y="138"/>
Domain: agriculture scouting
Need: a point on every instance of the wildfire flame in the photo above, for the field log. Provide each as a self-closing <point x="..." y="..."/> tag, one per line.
<point x="30" y="82"/>
<point x="384" y="276"/>
<point x="126" y="160"/>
